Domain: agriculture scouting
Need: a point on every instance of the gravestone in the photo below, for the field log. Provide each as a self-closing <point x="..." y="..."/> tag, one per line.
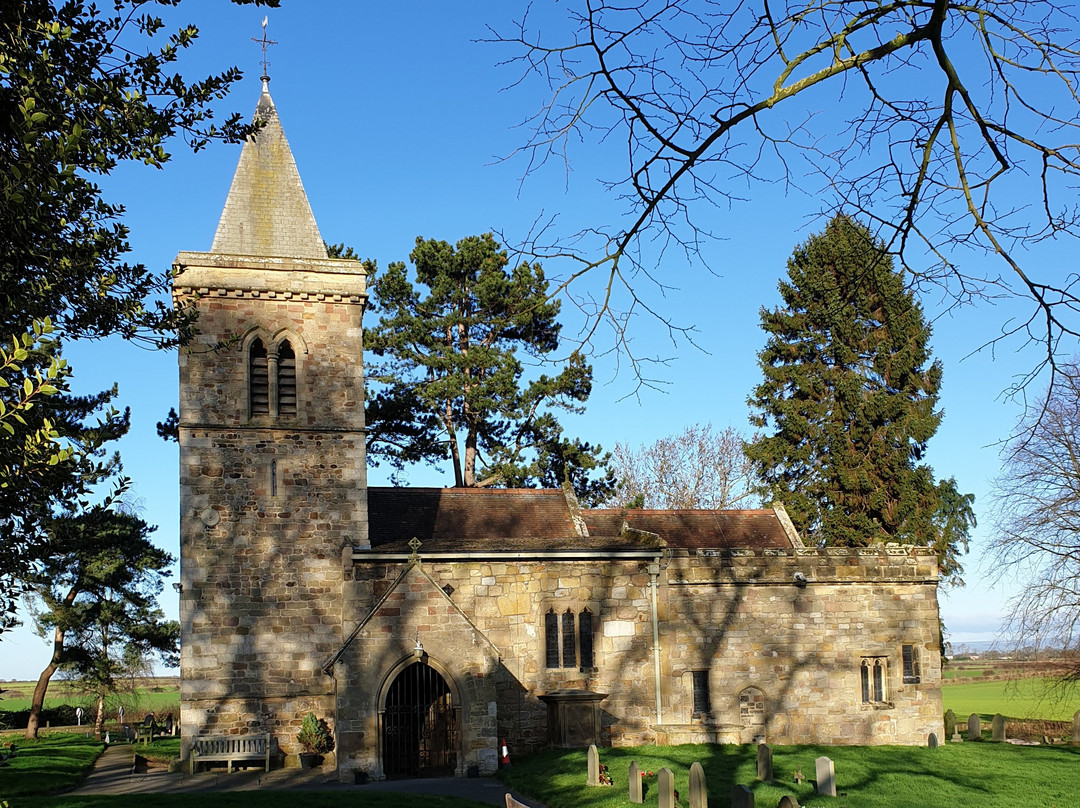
<point x="1076" y="729"/>
<point x="997" y="729"/>
<point x="764" y="762"/>
<point x="950" y="723"/>
<point x="932" y="740"/>
<point x="974" y="727"/>
<point x="742" y="797"/>
<point x="699" y="794"/>
<point x="633" y="784"/>
<point x="826" y="776"/>
<point x="665" y="784"/>
<point x="788" y="801"/>
<point x="594" y="766"/>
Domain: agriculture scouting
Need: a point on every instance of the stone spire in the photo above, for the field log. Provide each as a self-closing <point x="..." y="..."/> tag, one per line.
<point x="267" y="213"/>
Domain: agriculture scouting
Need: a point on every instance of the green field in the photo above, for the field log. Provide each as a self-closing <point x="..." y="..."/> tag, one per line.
<point x="1017" y="698"/>
<point x="161" y="696"/>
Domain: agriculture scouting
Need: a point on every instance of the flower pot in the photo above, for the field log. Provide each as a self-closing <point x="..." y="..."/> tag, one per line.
<point x="309" y="760"/>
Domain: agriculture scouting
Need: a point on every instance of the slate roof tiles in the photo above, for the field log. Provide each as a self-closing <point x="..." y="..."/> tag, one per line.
<point x="477" y="520"/>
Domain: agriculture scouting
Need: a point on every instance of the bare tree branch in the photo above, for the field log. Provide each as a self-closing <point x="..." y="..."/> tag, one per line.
<point x="953" y="126"/>
<point x="1038" y="521"/>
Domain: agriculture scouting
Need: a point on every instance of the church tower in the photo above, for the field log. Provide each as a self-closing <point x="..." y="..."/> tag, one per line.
<point x="273" y="488"/>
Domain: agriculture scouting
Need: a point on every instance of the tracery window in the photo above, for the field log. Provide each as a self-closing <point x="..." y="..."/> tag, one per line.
<point x="568" y="639"/>
<point x="272" y="379"/>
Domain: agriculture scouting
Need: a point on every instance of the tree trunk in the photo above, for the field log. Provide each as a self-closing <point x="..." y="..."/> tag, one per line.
<point x="38" y="699"/>
<point x="37" y="702"/>
<point x="99" y="722"/>
<point x="455" y="454"/>
<point x="470" y="460"/>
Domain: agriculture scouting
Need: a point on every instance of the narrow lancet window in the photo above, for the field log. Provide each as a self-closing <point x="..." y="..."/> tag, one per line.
<point x="569" y="641"/>
<point x="585" y="630"/>
<point x="551" y="638"/>
<point x="259" y="381"/>
<point x="286" y="379"/>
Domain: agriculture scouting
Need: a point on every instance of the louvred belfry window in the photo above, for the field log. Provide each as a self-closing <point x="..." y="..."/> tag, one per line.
<point x="259" y="379"/>
<point x="286" y="379"/>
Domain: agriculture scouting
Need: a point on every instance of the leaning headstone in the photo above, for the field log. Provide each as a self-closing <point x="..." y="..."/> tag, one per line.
<point x="699" y="794"/>
<point x="932" y="740"/>
<point x="974" y="727"/>
<point x="950" y="723"/>
<point x="1076" y="729"/>
<point x="633" y="784"/>
<point x="788" y="801"/>
<point x="594" y="766"/>
<point x="764" y="762"/>
<point x="826" y="776"/>
<point x="665" y="784"/>
<point x="742" y="797"/>
<point x="997" y="729"/>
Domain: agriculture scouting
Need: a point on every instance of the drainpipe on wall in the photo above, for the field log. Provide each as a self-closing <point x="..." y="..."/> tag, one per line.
<point x="654" y="574"/>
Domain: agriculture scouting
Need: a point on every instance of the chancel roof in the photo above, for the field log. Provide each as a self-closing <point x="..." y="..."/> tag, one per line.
<point x="697" y="529"/>
<point x="530" y="519"/>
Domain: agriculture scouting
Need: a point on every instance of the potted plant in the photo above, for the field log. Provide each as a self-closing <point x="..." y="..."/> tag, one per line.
<point x="315" y="739"/>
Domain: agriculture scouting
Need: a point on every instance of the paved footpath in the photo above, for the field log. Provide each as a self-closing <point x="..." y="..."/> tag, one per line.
<point x="113" y="774"/>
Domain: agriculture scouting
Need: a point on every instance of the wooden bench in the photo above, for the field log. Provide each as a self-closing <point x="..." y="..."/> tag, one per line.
<point x="144" y="732"/>
<point x="231" y="749"/>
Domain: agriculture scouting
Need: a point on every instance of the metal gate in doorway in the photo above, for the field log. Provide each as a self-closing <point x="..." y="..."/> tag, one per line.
<point x="419" y="725"/>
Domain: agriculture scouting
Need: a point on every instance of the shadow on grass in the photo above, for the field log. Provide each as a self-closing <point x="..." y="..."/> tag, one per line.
<point x="971" y="774"/>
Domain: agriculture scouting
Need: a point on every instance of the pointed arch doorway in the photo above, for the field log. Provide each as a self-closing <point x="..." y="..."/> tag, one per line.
<point x="420" y="724"/>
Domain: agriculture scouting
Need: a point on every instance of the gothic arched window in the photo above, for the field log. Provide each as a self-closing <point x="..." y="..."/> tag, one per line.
<point x="286" y="379"/>
<point x="568" y="639"/>
<point x="258" y="379"/>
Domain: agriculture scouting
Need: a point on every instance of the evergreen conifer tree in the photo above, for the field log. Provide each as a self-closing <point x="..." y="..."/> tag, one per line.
<point x="447" y="380"/>
<point x="850" y="394"/>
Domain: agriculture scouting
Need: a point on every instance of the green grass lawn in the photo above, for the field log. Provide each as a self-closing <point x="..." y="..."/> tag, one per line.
<point x="979" y="775"/>
<point x="244" y="799"/>
<point x="1017" y="698"/>
<point x="46" y="765"/>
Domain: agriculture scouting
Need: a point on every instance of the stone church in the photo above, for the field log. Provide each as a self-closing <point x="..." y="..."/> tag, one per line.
<point x="424" y="625"/>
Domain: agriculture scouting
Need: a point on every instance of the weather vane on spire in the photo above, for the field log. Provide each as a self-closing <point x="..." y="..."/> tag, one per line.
<point x="265" y="44"/>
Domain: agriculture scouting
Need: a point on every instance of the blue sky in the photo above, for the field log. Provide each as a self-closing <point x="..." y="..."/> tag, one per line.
<point x="398" y="119"/>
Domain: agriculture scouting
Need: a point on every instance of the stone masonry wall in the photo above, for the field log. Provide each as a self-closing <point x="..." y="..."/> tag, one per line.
<point x="751" y="625"/>
<point x="267" y="506"/>
<point x="740" y="617"/>
<point x="416" y="609"/>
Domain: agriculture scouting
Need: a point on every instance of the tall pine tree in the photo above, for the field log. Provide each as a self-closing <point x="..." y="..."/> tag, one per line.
<point x="849" y="401"/>
<point x="447" y="379"/>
